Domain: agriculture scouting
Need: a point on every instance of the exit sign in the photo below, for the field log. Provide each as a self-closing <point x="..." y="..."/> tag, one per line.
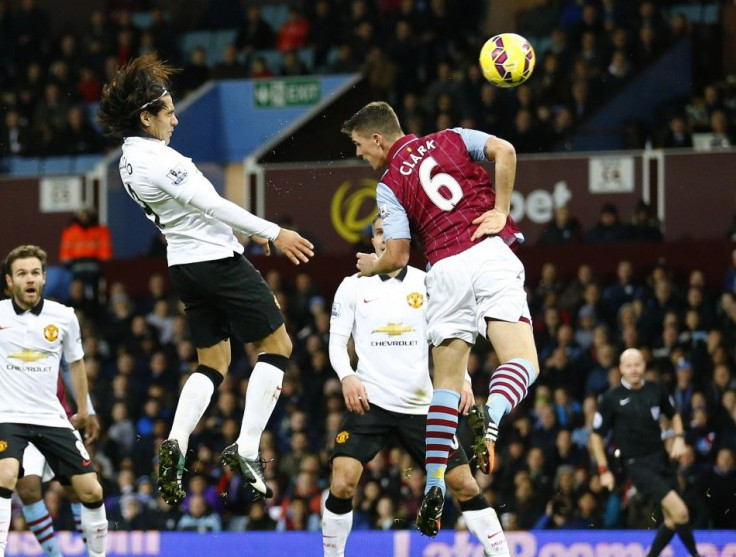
<point x="280" y="93"/>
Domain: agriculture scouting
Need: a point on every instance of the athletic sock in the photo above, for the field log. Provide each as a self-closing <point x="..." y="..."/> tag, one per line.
<point x="337" y="521"/>
<point x="40" y="523"/>
<point x="77" y="512"/>
<point x="5" y="512"/>
<point x="264" y="389"/>
<point x="193" y="401"/>
<point x="441" y="428"/>
<point x="663" y="537"/>
<point x="685" y="531"/>
<point x="509" y="385"/>
<point x="94" y="524"/>
<point x="484" y="524"/>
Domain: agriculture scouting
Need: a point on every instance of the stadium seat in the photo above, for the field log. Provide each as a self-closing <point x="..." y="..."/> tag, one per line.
<point x="275" y="15"/>
<point x="193" y="39"/>
<point x="700" y="12"/>
<point x="307" y="56"/>
<point x="141" y="20"/>
<point x="273" y="57"/>
<point x="221" y="39"/>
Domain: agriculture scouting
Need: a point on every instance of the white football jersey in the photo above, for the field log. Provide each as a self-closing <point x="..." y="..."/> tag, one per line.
<point x="387" y="320"/>
<point x="162" y="182"/>
<point x="31" y="345"/>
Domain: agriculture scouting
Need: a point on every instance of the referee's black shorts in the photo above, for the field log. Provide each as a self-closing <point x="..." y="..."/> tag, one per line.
<point x="224" y="298"/>
<point x="362" y="436"/>
<point x="653" y="475"/>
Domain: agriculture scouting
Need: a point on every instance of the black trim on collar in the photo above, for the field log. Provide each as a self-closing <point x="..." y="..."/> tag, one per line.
<point x="36" y="310"/>
<point x="401" y="276"/>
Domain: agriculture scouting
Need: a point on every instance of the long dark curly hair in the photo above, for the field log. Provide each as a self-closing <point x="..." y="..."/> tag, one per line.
<point x="139" y="85"/>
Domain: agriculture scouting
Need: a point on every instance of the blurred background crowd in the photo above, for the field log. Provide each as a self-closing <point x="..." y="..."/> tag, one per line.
<point x="138" y="355"/>
<point x="420" y="55"/>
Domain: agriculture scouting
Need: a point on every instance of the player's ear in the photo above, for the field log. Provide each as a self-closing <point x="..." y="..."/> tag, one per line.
<point x="145" y="118"/>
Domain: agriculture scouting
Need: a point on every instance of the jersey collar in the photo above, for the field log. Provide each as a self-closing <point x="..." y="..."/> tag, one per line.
<point x="401" y="276"/>
<point x="399" y="144"/>
<point x="628" y="386"/>
<point x="35" y="310"/>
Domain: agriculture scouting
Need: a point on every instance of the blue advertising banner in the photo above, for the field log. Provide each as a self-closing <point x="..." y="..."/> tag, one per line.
<point x="400" y="543"/>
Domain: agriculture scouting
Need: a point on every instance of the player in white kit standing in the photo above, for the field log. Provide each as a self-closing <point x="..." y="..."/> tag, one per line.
<point x="389" y="395"/>
<point x="34" y="333"/>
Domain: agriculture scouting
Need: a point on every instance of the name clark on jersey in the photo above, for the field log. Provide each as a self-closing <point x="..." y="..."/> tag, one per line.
<point x="407" y="166"/>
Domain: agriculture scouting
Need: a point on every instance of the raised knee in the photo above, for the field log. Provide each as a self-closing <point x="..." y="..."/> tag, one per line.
<point x="90" y="493"/>
<point x="29" y="490"/>
<point x="342" y="487"/>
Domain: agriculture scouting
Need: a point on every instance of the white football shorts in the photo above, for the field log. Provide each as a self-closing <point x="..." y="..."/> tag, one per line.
<point x="485" y="281"/>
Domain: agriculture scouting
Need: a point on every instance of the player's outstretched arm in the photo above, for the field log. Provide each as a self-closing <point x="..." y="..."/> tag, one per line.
<point x="293" y="246"/>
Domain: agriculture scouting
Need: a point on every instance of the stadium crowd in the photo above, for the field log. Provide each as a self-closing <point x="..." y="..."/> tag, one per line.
<point x="420" y="56"/>
<point x="138" y="354"/>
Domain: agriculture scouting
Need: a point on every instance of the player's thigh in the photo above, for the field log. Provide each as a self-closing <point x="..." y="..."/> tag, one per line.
<point x="498" y="283"/>
<point x="346" y="472"/>
<point x="412" y="434"/>
<point x="361" y="436"/>
<point x="451" y="307"/>
<point x="14" y="439"/>
<point x="193" y="284"/>
<point x="64" y="450"/>
<point x="244" y="297"/>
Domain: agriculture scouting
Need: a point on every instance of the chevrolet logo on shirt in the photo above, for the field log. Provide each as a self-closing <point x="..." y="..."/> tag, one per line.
<point x="394" y="329"/>
<point x="28" y="355"/>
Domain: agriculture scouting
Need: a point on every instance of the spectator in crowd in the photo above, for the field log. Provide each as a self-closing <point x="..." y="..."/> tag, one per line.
<point x="195" y="73"/>
<point x="562" y="229"/>
<point x="199" y="518"/>
<point x="85" y="246"/>
<point x="608" y="228"/>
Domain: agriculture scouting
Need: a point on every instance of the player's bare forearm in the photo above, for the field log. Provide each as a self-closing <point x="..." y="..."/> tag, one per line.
<point x="78" y="376"/>
<point x="394" y="257"/>
<point x="504" y="156"/>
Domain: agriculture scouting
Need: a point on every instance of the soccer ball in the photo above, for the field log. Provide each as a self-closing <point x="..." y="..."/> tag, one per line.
<point x="507" y="60"/>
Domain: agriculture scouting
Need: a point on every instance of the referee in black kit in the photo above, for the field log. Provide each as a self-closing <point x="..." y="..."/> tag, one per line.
<point x="634" y="411"/>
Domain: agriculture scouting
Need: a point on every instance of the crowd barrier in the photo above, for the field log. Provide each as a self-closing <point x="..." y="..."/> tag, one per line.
<point x="398" y="543"/>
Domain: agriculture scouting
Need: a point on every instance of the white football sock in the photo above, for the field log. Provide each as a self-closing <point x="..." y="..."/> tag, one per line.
<point x="94" y="525"/>
<point x="4" y="523"/>
<point x="484" y="524"/>
<point x="193" y="401"/>
<point x="335" y="531"/>
<point x="264" y="389"/>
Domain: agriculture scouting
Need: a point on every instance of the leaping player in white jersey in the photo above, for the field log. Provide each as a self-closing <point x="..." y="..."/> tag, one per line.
<point x="34" y="333"/>
<point x="223" y="293"/>
<point x="389" y="395"/>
